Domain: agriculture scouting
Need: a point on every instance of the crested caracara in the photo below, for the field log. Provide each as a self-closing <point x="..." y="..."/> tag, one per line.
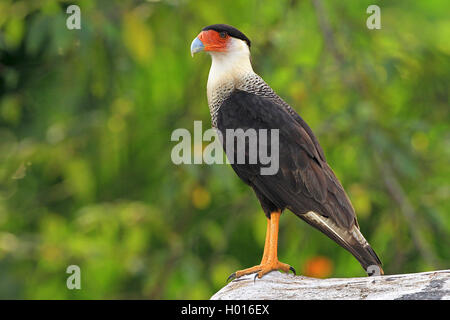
<point x="238" y="98"/>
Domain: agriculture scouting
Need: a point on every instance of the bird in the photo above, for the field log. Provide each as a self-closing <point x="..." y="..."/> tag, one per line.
<point x="304" y="183"/>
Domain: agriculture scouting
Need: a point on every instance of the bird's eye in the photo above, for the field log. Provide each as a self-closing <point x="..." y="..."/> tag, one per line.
<point x="223" y="34"/>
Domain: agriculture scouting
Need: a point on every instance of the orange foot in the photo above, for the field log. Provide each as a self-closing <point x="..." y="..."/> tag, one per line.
<point x="269" y="261"/>
<point x="262" y="269"/>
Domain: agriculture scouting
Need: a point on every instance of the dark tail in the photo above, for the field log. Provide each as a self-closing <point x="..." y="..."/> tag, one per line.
<point x="350" y="239"/>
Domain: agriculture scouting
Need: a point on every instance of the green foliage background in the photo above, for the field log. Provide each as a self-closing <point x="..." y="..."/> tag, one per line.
<point x="86" y="117"/>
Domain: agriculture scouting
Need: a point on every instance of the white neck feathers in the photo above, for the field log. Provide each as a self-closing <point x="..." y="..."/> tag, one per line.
<point x="228" y="68"/>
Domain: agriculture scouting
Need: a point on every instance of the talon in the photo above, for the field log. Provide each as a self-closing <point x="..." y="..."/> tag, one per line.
<point x="293" y="270"/>
<point x="231" y="277"/>
<point x="244" y="272"/>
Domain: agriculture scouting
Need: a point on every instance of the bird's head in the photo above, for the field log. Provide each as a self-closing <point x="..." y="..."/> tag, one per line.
<point x="230" y="52"/>
<point x="221" y="39"/>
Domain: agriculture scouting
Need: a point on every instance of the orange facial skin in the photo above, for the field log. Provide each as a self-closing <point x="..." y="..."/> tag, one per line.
<point x="213" y="41"/>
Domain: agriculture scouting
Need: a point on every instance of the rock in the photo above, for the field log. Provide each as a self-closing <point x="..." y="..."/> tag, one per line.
<point x="279" y="286"/>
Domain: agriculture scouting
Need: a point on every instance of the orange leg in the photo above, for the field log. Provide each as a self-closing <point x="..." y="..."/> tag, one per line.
<point x="266" y="244"/>
<point x="269" y="261"/>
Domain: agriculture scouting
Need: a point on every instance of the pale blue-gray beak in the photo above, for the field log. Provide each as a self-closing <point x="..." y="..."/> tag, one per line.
<point x="196" y="46"/>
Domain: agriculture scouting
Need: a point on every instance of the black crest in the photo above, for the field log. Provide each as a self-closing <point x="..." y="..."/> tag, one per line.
<point x="232" y="31"/>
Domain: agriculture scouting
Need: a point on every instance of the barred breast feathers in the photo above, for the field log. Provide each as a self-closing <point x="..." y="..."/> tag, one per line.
<point x="249" y="82"/>
<point x="233" y="70"/>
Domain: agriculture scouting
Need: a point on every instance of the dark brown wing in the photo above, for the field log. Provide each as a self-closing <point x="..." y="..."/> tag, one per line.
<point x="304" y="183"/>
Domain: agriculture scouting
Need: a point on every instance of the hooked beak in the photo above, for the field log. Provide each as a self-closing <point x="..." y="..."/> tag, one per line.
<point x="196" y="46"/>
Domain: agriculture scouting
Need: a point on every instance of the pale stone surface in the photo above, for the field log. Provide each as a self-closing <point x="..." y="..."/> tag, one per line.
<point x="433" y="285"/>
